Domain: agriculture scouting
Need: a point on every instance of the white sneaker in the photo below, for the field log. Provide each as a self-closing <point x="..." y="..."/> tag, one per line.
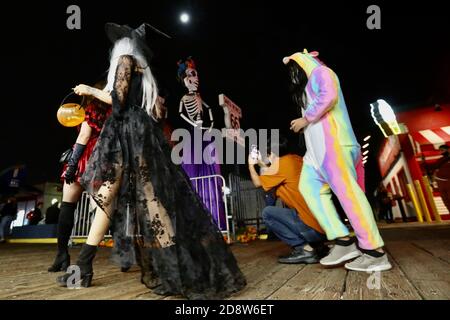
<point x="366" y="263"/>
<point x="339" y="254"/>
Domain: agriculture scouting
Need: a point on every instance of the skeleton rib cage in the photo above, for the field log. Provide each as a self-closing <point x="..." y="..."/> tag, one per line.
<point x="193" y="106"/>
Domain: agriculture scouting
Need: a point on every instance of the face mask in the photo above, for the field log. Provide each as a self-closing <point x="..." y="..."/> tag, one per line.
<point x="191" y="80"/>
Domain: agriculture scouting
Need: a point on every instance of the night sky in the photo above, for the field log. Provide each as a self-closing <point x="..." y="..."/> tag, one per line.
<point x="238" y="47"/>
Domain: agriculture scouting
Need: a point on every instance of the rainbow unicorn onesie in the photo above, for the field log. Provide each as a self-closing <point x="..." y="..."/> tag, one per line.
<point x="333" y="160"/>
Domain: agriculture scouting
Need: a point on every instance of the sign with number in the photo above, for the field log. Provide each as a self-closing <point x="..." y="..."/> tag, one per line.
<point x="233" y="114"/>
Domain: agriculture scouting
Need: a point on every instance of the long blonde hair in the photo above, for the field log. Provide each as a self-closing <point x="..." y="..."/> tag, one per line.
<point x="128" y="46"/>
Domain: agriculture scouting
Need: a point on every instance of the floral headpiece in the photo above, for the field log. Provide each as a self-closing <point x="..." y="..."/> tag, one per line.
<point x="183" y="66"/>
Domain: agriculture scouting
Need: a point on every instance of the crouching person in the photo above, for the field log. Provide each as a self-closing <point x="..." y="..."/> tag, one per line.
<point x="294" y="225"/>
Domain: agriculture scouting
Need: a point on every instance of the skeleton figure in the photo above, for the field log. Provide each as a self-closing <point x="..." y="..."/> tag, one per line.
<point x="192" y="102"/>
<point x="191" y="110"/>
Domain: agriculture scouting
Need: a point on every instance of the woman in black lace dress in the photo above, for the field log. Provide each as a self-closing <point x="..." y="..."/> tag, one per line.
<point x="149" y="199"/>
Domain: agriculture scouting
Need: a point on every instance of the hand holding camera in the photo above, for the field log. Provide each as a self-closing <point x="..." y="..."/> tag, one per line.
<point x="255" y="155"/>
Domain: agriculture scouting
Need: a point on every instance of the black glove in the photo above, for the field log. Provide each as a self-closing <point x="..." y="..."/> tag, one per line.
<point x="72" y="164"/>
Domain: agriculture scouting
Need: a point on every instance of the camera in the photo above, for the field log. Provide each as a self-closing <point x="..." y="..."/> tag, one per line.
<point x="255" y="153"/>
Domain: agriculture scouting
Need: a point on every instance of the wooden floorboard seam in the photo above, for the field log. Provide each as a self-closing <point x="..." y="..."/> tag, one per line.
<point x="429" y="252"/>
<point x="284" y="283"/>
<point x="344" y="287"/>
<point x="403" y="272"/>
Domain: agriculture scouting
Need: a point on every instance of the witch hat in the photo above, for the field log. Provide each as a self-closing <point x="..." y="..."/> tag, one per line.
<point x="116" y="32"/>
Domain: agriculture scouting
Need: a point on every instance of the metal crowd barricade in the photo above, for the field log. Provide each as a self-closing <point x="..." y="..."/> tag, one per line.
<point x="84" y="213"/>
<point x="246" y="202"/>
<point x="216" y="190"/>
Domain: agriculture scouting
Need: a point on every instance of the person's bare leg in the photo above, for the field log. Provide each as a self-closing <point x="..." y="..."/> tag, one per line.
<point x="164" y="234"/>
<point x="158" y="215"/>
<point x="106" y="196"/>
<point x="100" y="225"/>
<point x="72" y="192"/>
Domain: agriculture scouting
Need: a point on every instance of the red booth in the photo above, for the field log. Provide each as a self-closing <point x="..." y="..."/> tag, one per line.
<point x="408" y="157"/>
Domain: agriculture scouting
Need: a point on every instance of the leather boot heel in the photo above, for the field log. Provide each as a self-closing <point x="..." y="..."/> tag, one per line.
<point x="65" y="265"/>
<point x="86" y="281"/>
<point x="62" y="262"/>
<point x="62" y="280"/>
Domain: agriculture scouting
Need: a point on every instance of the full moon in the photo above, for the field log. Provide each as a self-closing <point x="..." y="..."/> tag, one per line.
<point x="184" y="18"/>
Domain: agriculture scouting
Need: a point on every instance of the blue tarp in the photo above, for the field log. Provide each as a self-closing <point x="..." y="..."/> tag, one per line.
<point x="39" y="231"/>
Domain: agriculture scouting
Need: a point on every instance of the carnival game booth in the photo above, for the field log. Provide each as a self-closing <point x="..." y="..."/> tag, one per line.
<point x="405" y="161"/>
<point x="27" y="198"/>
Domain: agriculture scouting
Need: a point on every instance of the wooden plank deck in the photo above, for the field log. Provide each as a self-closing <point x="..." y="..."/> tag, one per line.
<point x="420" y="258"/>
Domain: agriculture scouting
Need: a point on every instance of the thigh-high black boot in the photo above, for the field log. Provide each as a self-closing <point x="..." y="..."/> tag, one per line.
<point x="65" y="225"/>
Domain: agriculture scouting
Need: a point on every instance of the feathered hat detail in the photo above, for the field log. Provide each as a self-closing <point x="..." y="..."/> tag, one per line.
<point x="188" y="63"/>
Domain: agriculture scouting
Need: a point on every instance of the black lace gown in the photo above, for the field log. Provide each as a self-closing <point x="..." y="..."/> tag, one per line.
<point x="158" y="220"/>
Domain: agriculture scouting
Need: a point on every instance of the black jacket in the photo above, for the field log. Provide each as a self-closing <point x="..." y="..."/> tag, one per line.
<point x="9" y="209"/>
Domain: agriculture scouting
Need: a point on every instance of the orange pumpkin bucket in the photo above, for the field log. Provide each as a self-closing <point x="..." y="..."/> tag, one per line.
<point x="70" y="114"/>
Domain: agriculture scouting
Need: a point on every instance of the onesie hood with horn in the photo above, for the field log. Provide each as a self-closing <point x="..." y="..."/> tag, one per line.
<point x="308" y="61"/>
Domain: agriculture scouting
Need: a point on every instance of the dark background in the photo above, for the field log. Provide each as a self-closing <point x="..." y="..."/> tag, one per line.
<point x="238" y="47"/>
